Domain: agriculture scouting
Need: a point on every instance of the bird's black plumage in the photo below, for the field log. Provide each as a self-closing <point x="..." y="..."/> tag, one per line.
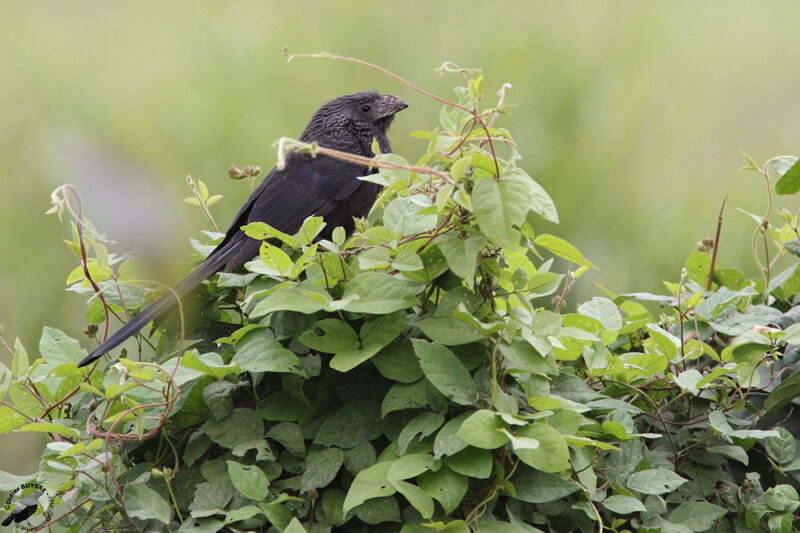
<point x="305" y="186"/>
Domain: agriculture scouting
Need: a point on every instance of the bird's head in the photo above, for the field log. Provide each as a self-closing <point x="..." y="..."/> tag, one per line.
<point x="363" y="115"/>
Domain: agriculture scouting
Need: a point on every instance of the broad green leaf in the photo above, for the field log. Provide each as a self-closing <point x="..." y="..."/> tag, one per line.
<point x="303" y="297"/>
<point x="377" y="293"/>
<point x="472" y="462"/>
<point x="448" y="331"/>
<point x="623" y="504"/>
<point x="242" y="425"/>
<point x="398" y="362"/>
<point x="697" y="515"/>
<point x="499" y="206"/>
<point x="483" y="429"/>
<point x="533" y="486"/>
<point x="351" y="425"/>
<point x="374" y="335"/>
<point x="522" y="356"/>
<point x="782" y="448"/>
<point x="321" y="468"/>
<point x="562" y="249"/>
<point x="409" y="466"/>
<point x="57" y="347"/>
<point x="146" y="504"/>
<point x="249" y="480"/>
<point x="50" y="427"/>
<point x="258" y="351"/>
<point x="416" y="497"/>
<point x="782" y="498"/>
<point x="603" y="310"/>
<point x="295" y="527"/>
<point x="551" y="455"/>
<point x="330" y="335"/>
<point x="290" y="436"/>
<point x="461" y="254"/>
<point x="655" y="481"/>
<point x="447" y="440"/>
<point x="445" y="486"/>
<point x="19" y="364"/>
<point x="369" y="483"/>
<point x="789" y="182"/>
<point x="402" y="215"/>
<point x="407" y="261"/>
<point x="274" y="261"/>
<point x="541" y="203"/>
<point x="445" y="371"/>
<point x="784" y="393"/>
<point x="421" y="426"/>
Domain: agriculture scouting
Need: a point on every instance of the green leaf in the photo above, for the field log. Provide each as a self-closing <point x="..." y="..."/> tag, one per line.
<point x="50" y="427"/>
<point x="330" y="335"/>
<point x="734" y="452"/>
<point x="409" y="466"/>
<point x="416" y="497"/>
<point x="697" y="515"/>
<point x="351" y="425"/>
<point x="146" y="504"/>
<point x="782" y="498"/>
<point x="377" y="293"/>
<point x="533" y="486"/>
<point x="369" y="483"/>
<point x="782" y="448"/>
<point x="472" y="462"/>
<point x="402" y="215"/>
<point x="603" y="310"/>
<point x="295" y="527"/>
<point x="242" y="425"/>
<point x="540" y="201"/>
<point x="378" y="510"/>
<point x="303" y="297"/>
<point x="58" y="348"/>
<point x="562" y="249"/>
<point x="274" y="261"/>
<point x="321" y="468"/>
<point x="262" y="231"/>
<point x="483" y="430"/>
<point x="461" y="254"/>
<point x="290" y="436"/>
<point x="789" y="182"/>
<point x="552" y="454"/>
<point x="448" y="331"/>
<point x="19" y="364"/>
<point x="623" y="504"/>
<point x="520" y="355"/>
<point x="445" y="371"/>
<point x="788" y="390"/>
<point x="445" y="486"/>
<point x="421" y="426"/>
<point x="499" y="206"/>
<point x="398" y="362"/>
<point x="655" y="481"/>
<point x="447" y="440"/>
<point x="249" y="480"/>
<point x="374" y="335"/>
<point x="407" y="261"/>
<point x="258" y="351"/>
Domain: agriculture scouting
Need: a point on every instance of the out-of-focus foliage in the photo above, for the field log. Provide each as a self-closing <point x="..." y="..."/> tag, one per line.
<point x="639" y="105"/>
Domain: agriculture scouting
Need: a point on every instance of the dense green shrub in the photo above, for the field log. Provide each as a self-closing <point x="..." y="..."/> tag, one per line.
<point x="423" y="375"/>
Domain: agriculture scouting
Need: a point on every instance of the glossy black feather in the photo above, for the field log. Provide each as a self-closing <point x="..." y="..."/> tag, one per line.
<point x="306" y="186"/>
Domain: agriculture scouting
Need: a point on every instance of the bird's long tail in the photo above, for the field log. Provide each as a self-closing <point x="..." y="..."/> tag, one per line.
<point x="212" y="264"/>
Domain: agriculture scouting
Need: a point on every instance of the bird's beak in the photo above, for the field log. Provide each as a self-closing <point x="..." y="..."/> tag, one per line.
<point x="389" y="104"/>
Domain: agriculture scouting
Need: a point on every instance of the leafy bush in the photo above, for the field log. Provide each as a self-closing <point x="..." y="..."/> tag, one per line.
<point x="420" y="375"/>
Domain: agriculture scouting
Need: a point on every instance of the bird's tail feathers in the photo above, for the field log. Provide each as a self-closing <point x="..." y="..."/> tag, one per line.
<point x="211" y="265"/>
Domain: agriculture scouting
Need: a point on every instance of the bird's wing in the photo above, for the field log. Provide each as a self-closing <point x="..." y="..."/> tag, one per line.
<point x="306" y="187"/>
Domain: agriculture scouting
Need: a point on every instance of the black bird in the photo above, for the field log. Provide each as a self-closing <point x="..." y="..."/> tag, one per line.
<point x="24" y="508"/>
<point x="306" y="186"/>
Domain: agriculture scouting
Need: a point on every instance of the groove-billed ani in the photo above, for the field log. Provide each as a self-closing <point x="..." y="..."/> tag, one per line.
<point x="318" y="186"/>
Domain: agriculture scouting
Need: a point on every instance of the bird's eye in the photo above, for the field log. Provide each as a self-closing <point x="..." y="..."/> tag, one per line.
<point x="366" y="107"/>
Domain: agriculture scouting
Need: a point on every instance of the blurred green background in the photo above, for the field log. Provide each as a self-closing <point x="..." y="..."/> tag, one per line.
<point x="631" y="114"/>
